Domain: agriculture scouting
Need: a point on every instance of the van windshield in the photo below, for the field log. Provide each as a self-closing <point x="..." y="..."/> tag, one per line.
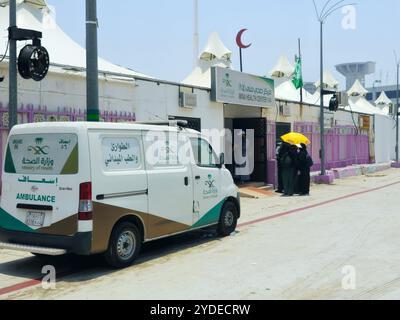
<point x="44" y="154"/>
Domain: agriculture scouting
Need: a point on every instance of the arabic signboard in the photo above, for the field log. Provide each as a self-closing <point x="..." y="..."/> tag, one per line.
<point x="121" y="153"/>
<point x="46" y="154"/>
<point x="233" y="87"/>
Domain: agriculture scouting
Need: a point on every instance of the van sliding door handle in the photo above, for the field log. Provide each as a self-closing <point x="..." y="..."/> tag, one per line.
<point x="186" y="181"/>
<point x="197" y="177"/>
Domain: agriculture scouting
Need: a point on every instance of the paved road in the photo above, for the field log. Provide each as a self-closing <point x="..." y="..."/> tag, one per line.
<point x="298" y="248"/>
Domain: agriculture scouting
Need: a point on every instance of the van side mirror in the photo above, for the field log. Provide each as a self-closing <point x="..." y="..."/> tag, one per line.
<point x="221" y="160"/>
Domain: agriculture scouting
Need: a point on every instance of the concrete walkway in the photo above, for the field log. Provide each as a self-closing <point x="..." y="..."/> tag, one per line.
<point x="285" y="248"/>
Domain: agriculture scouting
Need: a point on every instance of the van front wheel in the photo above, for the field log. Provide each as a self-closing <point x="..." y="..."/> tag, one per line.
<point x="228" y="219"/>
<point x="124" y="246"/>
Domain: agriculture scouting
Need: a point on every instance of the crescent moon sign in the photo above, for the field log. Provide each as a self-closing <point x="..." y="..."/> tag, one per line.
<point x="239" y="40"/>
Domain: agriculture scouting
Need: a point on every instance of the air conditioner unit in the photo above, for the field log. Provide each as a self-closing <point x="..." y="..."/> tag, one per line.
<point x="285" y="110"/>
<point x="187" y="100"/>
<point x="343" y="98"/>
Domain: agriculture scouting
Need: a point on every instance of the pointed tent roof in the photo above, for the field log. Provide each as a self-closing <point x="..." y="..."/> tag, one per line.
<point x="383" y="99"/>
<point x="357" y="90"/>
<point x="65" y="54"/>
<point x="329" y="81"/>
<point x="282" y="69"/>
<point x="215" y="49"/>
<point x="287" y="91"/>
<point x="38" y="3"/>
<point x="361" y="105"/>
<point x="215" y="54"/>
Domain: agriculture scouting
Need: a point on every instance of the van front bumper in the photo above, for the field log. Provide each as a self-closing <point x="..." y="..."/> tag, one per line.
<point x="80" y="243"/>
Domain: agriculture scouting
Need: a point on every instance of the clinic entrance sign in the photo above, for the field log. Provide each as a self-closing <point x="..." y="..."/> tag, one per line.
<point x="233" y="87"/>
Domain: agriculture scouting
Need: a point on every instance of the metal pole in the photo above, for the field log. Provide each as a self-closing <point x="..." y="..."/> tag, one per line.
<point x="196" y="34"/>
<point x="13" y="85"/>
<point x="241" y="60"/>
<point x="92" y="71"/>
<point x="301" y="89"/>
<point x="397" y="115"/>
<point x="322" y="124"/>
<point x="373" y="92"/>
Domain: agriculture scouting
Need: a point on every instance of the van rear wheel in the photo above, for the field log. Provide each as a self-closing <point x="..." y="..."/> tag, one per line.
<point x="228" y="219"/>
<point x="124" y="246"/>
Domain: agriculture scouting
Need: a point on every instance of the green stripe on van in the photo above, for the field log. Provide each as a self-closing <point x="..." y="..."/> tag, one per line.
<point x="71" y="166"/>
<point x="8" y="222"/>
<point x="211" y="216"/>
<point x="9" y="166"/>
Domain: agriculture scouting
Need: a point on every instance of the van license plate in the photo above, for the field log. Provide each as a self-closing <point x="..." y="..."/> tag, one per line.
<point x="35" y="219"/>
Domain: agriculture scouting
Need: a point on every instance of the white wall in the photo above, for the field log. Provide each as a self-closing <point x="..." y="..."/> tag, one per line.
<point x="384" y="137"/>
<point x="393" y="140"/>
<point x="148" y="100"/>
<point x="69" y="90"/>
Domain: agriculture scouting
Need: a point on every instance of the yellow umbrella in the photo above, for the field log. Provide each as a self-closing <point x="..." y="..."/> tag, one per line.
<point x="295" y="138"/>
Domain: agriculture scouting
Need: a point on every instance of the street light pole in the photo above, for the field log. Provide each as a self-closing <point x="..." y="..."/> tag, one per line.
<point x="322" y="16"/>
<point x="13" y="80"/>
<point x="322" y="120"/>
<point x="92" y="70"/>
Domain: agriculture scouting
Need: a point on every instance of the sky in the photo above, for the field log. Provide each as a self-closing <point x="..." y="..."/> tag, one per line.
<point x="155" y="37"/>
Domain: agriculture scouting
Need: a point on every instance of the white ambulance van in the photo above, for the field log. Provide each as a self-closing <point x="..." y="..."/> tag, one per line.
<point x="90" y="188"/>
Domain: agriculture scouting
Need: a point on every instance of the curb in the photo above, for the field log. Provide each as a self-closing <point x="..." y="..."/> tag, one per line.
<point x="352" y="171"/>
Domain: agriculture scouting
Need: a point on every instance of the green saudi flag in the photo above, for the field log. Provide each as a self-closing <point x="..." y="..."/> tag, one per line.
<point x="298" y="75"/>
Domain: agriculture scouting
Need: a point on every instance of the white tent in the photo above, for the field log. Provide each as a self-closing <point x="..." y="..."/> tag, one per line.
<point x="384" y="103"/>
<point x="383" y="100"/>
<point x="287" y="91"/>
<point x="215" y="49"/>
<point x="65" y="54"/>
<point x="215" y="54"/>
<point x="357" y="90"/>
<point x="329" y="81"/>
<point x="283" y="69"/>
<point x="361" y="105"/>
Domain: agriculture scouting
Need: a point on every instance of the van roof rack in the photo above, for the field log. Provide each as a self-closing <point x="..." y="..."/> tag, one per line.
<point x="170" y="123"/>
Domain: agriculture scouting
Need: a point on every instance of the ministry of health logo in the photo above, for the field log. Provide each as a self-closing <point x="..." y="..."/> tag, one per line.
<point x="39" y="149"/>
<point x="227" y="81"/>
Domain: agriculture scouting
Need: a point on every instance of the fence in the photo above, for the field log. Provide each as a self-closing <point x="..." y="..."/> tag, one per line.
<point x="344" y="146"/>
<point x="30" y="114"/>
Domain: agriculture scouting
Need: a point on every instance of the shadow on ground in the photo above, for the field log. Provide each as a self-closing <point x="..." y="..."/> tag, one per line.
<point x="73" y="268"/>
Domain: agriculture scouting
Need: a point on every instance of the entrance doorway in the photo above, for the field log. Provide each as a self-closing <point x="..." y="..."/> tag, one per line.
<point x="282" y="128"/>
<point x="259" y="125"/>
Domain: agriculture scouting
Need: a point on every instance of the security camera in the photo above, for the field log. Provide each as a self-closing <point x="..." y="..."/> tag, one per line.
<point x="1" y="78"/>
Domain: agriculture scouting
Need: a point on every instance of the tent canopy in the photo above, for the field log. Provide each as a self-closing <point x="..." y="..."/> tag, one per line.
<point x="357" y="90"/>
<point x="283" y="69"/>
<point x="329" y="81"/>
<point x="383" y="100"/>
<point x="215" y="54"/>
<point x="361" y="105"/>
<point x="38" y="3"/>
<point x="64" y="52"/>
<point x="215" y="49"/>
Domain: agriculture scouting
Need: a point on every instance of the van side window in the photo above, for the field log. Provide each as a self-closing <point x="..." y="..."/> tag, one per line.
<point x="121" y="153"/>
<point x="204" y="154"/>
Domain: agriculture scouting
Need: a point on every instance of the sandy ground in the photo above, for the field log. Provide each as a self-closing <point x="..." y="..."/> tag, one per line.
<point x="303" y="255"/>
